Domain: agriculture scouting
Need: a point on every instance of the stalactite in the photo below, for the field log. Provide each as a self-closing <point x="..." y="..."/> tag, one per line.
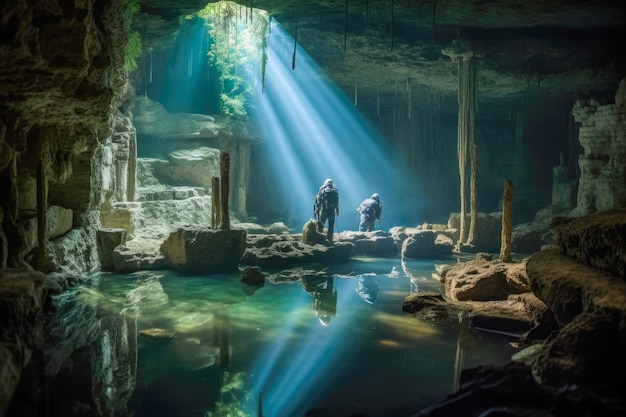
<point x="434" y="19"/>
<point x="356" y="92"/>
<point x="295" y="44"/>
<point x="378" y="100"/>
<point x="396" y="87"/>
<point x="432" y="135"/>
<point x="345" y="28"/>
<point x="471" y="122"/>
<point x="519" y="129"/>
<point x="319" y="23"/>
<point x="462" y="149"/>
<point x="393" y="123"/>
<point x="151" y="68"/>
<point x="409" y="107"/>
<point x="421" y="3"/>
<point x="391" y="16"/>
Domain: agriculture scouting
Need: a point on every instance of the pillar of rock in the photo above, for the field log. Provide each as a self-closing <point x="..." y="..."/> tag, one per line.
<point x="461" y="52"/>
<point x="216" y="206"/>
<point x="225" y="190"/>
<point x="507" y="221"/>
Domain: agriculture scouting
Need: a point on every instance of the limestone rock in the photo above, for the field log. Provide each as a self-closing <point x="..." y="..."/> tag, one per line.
<point x="202" y="250"/>
<point x="598" y="239"/>
<point x="277" y="251"/>
<point x="483" y="280"/>
<point x="426" y="244"/>
<point x="252" y="275"/>
<point x="488" y="231"/>
<point x="311" y="234"/>
<point x="589" y="306"/>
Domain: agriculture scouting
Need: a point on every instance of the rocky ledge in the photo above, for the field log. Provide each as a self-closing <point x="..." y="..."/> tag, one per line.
<point x="570" y="312"/>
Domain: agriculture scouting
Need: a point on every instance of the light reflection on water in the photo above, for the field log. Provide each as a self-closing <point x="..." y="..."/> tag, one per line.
<point x="358" y="353"/>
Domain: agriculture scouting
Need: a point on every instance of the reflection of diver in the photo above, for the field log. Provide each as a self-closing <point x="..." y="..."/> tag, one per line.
<point x="367" y="287"/>
<point x="325" y="301"/>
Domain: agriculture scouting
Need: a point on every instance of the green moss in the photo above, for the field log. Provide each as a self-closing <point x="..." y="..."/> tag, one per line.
<point x="133" y="45"/>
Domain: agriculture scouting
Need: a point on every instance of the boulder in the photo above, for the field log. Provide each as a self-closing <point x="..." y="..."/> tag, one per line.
<point x="203" y="250"/>
<point x="426" y="244"/>
<point x="597" y="239"/>
<point x="484" y="280"/>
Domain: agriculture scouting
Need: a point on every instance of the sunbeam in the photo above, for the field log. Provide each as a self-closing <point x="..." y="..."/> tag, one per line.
<point x="314" y="132"/>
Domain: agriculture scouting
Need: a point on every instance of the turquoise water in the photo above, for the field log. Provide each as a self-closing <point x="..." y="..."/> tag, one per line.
<point x="312" y="341"/>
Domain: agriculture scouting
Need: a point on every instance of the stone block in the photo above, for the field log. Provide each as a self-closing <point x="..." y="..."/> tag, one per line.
<point x="107" y="240"/>
<point x="203" y="250"/>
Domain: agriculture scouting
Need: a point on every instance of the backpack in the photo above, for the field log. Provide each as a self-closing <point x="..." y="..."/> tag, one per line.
<point x="368" y="207"/>
<point x="330" y="198"/>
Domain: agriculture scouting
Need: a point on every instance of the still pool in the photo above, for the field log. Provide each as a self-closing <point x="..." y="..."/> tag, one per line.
<point x="312" y="341"/>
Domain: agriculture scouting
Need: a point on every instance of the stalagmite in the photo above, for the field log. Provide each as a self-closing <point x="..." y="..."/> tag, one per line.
<point x="216" y="206"/>
<point x="224" y="190"/>
<point x="507" y="221"/>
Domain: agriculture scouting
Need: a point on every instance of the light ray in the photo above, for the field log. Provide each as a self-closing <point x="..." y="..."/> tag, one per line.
<point x="317" y="133"/>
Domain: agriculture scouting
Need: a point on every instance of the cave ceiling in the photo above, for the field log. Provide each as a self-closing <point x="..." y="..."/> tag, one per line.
<point x="537" y="50"/>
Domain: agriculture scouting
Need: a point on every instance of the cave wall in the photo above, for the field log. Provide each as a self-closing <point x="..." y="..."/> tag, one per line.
<point x="602" y="134"/>
<point x="61" y="84"/>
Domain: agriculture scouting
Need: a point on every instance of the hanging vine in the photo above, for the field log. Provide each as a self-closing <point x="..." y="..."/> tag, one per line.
<point x="238" y="48"/>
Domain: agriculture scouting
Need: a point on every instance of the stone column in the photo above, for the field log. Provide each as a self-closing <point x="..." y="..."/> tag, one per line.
<point x="225" y="190"/>
<point x="507" y="221"/>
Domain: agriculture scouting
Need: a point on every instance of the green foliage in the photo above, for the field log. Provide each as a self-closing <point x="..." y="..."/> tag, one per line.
<point x="233" y="397"/>
<point x="133" y="50"/>
<point x="133" y="45"/>
<point x="239" y="40"/>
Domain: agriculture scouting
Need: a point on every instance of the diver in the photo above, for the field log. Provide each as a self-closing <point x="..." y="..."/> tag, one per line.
<point x="369" y="211"/>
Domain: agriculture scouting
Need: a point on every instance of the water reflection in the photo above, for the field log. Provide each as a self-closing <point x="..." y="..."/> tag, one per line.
<point x="324" y="296"/>
<point x="367" y="287"/>
<point x="206" y="346"/>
